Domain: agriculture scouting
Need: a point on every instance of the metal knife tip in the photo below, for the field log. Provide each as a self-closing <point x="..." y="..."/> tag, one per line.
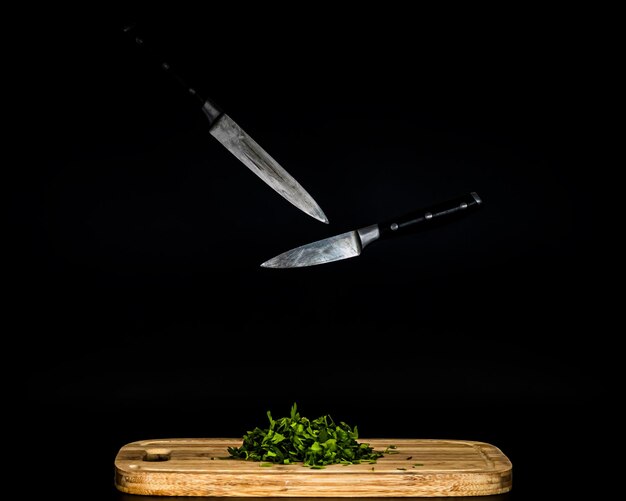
<point x="268" y="264"/>
<point x="320" y="216"/>
<point x="317" y="213"/>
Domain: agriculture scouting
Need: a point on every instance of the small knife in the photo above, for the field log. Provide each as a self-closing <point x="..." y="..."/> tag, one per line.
<point x="351" y="243"/>
<point x="241" y="145"/>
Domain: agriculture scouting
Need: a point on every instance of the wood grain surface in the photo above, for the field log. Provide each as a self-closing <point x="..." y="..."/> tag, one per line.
<point x="419" y="468"/>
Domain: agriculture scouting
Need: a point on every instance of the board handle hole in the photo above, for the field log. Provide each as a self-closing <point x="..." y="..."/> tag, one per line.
<point x="157" y="455"/>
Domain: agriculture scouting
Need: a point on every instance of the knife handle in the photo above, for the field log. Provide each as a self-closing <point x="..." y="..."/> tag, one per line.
<point x="209" y="108"/>
<point x="429" y="217"/>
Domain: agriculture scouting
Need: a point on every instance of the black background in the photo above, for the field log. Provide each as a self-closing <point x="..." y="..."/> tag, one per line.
<point x="142" y="309"/>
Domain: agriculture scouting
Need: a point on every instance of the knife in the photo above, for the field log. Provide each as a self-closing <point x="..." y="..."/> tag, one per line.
<point x="351" y="243"/>
<point x="223" y="128"/>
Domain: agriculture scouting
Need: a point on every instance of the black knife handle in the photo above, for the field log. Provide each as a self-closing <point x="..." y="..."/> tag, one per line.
<point x="210" y="109"/>
<point x="429" y="217"/>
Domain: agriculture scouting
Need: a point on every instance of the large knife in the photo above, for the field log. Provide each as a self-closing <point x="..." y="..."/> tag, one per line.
<point x="241" y="145"/>
<point x="351" y="243"/>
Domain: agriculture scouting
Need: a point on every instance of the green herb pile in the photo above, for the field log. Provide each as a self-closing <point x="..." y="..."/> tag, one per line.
<point x="315" y="443"/>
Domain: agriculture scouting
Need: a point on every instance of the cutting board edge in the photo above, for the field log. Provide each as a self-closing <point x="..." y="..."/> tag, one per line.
<point x="156" y="442"/>
<point x="390" y="440"/>
<point x="497" y="480"/>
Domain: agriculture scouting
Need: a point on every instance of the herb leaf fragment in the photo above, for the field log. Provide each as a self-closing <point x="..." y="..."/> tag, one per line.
<point x="295" y="438"/>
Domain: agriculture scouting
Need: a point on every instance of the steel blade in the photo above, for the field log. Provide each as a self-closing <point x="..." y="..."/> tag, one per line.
<point x="248" y="151"/>
<point x="335" y="248"/>
<point x="330" y="249"/>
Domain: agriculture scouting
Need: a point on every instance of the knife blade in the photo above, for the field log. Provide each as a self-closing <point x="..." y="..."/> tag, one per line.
<point x="223" y="128"/>
<point x="351" y="243"/>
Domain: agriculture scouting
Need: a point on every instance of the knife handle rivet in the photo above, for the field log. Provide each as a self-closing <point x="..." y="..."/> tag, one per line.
<point x="428" y="215"/>
<point x="463" y="205"/>
<point x="394" y="226"/>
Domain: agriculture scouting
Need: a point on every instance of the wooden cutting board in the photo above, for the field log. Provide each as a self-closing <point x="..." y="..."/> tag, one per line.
<point x="420" y="468"/>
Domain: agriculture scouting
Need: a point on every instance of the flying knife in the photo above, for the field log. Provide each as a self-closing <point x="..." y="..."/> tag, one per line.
<point x="351" y="243"/>
<point x="241" y="145"/>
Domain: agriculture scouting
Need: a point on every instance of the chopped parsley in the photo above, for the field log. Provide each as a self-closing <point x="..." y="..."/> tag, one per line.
<point x="297" y="439"/>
